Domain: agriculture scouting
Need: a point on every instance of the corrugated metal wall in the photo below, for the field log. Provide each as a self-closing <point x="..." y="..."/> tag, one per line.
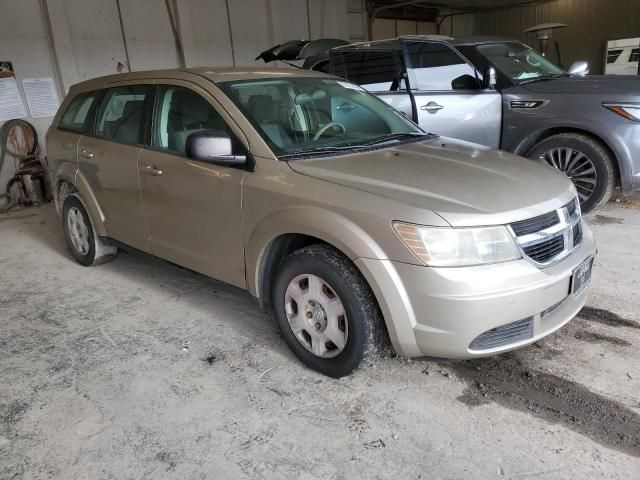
<point x="591" y="24"/>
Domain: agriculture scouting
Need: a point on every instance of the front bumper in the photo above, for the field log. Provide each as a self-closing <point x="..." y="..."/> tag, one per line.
<point x="440" y="311"/>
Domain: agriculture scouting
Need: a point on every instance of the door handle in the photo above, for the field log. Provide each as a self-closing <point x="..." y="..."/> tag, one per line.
<point x="346" y="107"/>
<point x="86" y="153"/>
<point x="431" y="107"/>
<point x="151" y="170"/>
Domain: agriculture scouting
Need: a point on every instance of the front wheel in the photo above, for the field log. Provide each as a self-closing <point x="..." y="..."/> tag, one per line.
<point x="326" y="311"/>
<point x="585" y="161"/>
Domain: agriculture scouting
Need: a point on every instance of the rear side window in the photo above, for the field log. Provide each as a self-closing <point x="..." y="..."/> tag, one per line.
<point x="77" y="115"/>
<point x="635" y="55"/>
<point x="434" y="66"/>
<point x="374" y="70"/>
<point x="121" y="116"/>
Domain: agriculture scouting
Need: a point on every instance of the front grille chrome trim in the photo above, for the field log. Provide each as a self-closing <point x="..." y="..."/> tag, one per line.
<point x="568" y="227"/>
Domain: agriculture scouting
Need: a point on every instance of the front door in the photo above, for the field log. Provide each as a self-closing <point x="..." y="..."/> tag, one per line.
<point x="108" y="160"/>
<point x="193" y="208"/>
<point x="449" y="98"/>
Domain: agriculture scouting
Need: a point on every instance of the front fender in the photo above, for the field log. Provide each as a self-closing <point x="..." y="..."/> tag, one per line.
<point x="330" y="227"/>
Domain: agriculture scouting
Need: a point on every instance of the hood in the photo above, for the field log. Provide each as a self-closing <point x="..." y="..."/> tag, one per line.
<point x="464" y="183"/>
<point x="605" y="84"/>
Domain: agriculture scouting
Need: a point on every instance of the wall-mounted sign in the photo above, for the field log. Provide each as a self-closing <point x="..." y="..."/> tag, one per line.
<point x="41" y="96"/>
<point x="11" y="105"/>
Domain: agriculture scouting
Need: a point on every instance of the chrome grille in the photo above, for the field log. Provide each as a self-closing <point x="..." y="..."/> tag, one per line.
<point x="548" y="238"/>
<point x="541" y="252"/>
<point x="535" y="224"/>
<point x="504" y="335"/>
<point x="577" y="233"/>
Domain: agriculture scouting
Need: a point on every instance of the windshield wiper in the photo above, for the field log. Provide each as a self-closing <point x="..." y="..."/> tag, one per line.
<point x="542" y="78"/>
<point x="397" y="137"/>
<point x="319" y="151"/>
<point x="360" y="146"/>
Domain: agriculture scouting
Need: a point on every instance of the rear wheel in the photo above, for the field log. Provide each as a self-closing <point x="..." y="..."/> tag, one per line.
<point x="326" y="311"/>
<point x="86" y="247"/>
<point x="585" y="161"/>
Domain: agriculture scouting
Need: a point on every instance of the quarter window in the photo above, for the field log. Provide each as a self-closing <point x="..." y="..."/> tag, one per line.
<point x="77" y="114"/>
<point x="179" y="113"/>
<point x="122" y="114"/>
<point x="435" y="66"/>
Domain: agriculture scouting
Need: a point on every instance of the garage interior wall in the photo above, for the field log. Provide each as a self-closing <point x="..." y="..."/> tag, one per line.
<point x="88" y="35"/>
<point x="456" y="25"/>
<point x="591" y="24"/>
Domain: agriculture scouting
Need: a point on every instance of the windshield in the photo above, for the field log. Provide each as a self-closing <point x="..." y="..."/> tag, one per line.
<point x="299" y="115"/>
<point x="518" y="62"/>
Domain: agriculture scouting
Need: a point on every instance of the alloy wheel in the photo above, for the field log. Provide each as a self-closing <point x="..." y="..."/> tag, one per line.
<point x="575" y="165"/>
<point x="78" y="231"/>
<point x="316" y="315"/>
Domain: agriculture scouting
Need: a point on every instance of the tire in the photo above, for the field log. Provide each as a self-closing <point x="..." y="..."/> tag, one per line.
<point x="361" y="327"/>
<point x="580" y="157"/>
<point x="86" y="247"/>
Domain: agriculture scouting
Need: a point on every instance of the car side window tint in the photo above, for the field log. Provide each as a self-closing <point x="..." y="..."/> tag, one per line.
<point x="76" y="116"/>
<point x="436" y="66"/>
<point x="374" y="70"/>
<point x="122" y="114"/>
<point x="179" y="113"/>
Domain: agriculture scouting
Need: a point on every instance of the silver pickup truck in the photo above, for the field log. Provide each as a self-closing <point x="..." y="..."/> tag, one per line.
<point x="499" y="93"/>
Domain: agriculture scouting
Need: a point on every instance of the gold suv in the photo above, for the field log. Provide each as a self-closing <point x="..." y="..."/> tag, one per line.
<point x="344" y="218"/>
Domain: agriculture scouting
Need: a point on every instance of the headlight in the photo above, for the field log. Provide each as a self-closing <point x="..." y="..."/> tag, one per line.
<point x="630" y="111"/>
<point x="457" y="247"/>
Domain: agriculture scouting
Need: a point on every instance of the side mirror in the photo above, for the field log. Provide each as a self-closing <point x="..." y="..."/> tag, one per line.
<point x="490" y="78"/>
<point x="464" y="82"/>
<point x="580" y="69"/>
<point x="214" y="146"/>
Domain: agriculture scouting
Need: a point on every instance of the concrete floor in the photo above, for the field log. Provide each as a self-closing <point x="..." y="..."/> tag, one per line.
<point x="139" y="369"/>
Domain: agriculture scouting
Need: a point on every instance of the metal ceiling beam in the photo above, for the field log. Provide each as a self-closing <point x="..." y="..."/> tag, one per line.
<point x="373" y="11"/>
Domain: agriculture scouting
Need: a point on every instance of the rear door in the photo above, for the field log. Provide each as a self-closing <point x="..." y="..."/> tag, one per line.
<point x="108" y="159"/>
<point x="449" y="98"/>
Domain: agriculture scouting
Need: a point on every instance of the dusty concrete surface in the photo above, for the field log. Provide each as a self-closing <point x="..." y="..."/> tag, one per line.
<point x="139" y="369"/>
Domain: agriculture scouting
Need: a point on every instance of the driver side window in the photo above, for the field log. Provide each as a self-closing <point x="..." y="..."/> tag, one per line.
<point x="179" y="113"/>
<point x="435" y="66"/>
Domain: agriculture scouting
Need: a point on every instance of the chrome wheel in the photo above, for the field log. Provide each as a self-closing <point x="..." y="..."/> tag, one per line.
<point x="78" y="231"/>
<point x="316" y="315"/>
<point x="575" y="165"/>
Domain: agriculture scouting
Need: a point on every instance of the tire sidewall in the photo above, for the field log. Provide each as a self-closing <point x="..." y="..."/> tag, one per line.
<point x="595" y="153"/>
<point x="70" y="202"/>
<point x="351" y="357"/>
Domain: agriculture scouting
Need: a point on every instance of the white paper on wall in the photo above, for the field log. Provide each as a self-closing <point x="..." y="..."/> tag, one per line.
<point x="41" y="96"/>
<point x="11" y="105"/>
